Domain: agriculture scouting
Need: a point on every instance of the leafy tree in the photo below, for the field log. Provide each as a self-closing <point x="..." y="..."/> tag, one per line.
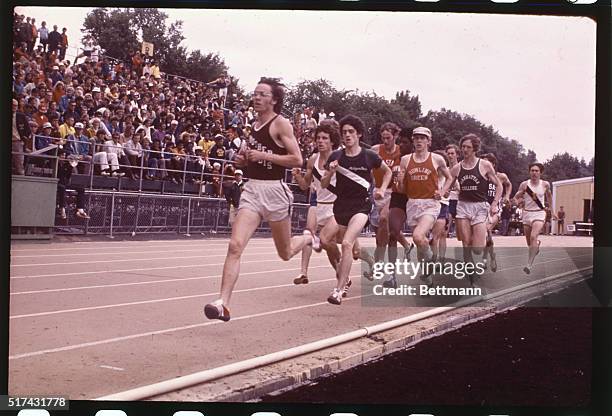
<point x="112" y="30"/>
<point x="565" y="166"/>
<point x="118" y="32"/>
<point x="411" y="105"/>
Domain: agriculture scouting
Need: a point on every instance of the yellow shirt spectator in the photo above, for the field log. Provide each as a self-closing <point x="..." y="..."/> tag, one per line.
<point x="206" y="145"/>
<point x="66" y="130"/>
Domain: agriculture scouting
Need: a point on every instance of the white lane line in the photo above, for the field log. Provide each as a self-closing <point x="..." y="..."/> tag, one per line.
<point x="170" y="330"/>
<point x="139" y="269"/>
<point x="182" y="328"/>
<point x="145" y="302"/>
<point x="31" y="292"/>
<point x="203" y="255"/>
<point x="173" y="280"/>
<point x="180" y="266"/>
<point x="121" y="253"/>
<point x="112" y="368"/>
<point x="90" y="308"/>
<point x="117" y="245"/>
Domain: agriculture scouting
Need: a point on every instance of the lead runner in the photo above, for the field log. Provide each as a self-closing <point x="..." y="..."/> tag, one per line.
<point x="271" y="148"/>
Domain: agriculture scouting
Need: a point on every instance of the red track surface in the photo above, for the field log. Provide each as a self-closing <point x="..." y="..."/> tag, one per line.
<point x="95" y="318"/>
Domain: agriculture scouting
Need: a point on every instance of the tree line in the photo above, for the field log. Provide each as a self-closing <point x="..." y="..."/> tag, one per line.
<point x="118" y="32"/>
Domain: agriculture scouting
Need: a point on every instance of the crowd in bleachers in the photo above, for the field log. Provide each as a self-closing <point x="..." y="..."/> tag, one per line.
<point x="120" y="118"/>
<point x="107" y="118"/>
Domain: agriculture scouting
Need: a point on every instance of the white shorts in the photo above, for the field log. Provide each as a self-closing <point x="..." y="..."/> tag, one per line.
<point x="476" y="212"/>
<point x="530" y="216"/>
<point x="416" y="208"/>
<point x="378" y="206"/>
<point x="271" y="199"/>
<point x="324" y="213"/>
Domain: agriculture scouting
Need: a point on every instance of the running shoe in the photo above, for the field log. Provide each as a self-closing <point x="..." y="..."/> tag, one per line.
<point x="408" y="250"/>
<point x="472" y="277"/>
<point x="346" y="288"/>
<point x="335" y="298"/>
<point x="368" y="273"/>
<point x="527" y="269"/>
<point x="300" y="280"/>
<point x="369" y="264"/>
<point x="220" y="312"/>
<point x="315" y="241"/>
<point x="427" y="279"/>
<point x="493" y="263"/>
<point x="391" y="283"/>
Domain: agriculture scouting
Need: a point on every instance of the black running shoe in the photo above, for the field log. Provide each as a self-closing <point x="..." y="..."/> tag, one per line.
<point x="300" y="280"/>
<point x="220" y="312"/>
<point x="391" y="283"/>
<point x="346" y="288"/>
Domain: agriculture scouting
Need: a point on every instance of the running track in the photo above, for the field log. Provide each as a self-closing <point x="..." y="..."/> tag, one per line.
<point x="90" y="319"/>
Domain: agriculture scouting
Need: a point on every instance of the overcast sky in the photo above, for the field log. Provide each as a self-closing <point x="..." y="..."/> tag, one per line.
<point x="531" y="77"/>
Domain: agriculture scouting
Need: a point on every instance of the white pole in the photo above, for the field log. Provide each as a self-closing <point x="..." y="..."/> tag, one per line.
<point x="182" y="382"/>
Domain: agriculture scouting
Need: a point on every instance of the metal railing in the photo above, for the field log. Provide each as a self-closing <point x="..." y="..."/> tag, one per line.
<point x="121" y="213"/>
<point x="120" y="205"/>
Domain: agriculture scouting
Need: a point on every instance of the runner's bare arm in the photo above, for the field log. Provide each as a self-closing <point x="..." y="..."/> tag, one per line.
<point x="403" y="166"/>
<point x="521" y="191"/>
<point x="380" y="192"/>
<point x="547" y="196"/>
<point x="507" y="186"/>
<point x="453" y="173"/>
<point x="329" y="173"/>
<point x="304" y="180"/>
<point x="492" y="177"/>
<point x="283" y="132"/>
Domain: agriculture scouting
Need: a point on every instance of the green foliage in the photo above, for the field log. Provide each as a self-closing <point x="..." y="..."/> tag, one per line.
<point x="565" y="166"/>
<point x="373" y="109"/>
<point x="118" y="32"/>
<point x="112" y="30"/>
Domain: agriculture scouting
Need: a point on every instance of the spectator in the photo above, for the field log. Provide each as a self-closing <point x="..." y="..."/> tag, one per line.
<point x="232" y="195"/>
<point x="506" y="214"/>
<point x="116" y="157"/>
<point x="137" y="62"/>
<point x="64" y="173"/>
<point x="100" y="157"/>
<point x="321" y="116"/>
<point x="218" y="151"/>
<point x="66" y="99"/>
<point x="155" y="70"/>
<point x="81" y="147"/>
<point x="40" y="117"/>
<point x="63" y="44"/>
<point x="156" y="162"/>
<point x="43" y="138"/>
<point x="55" y="39"/>
<point x="34" y="35"/>
<point x="234" y="139"/>
<point x="21" y="134"/>
<point x="71" y="111"/>
<point x="67" y="129"/>
<point x="134" y="152"/>
<point x="43" y="31"/>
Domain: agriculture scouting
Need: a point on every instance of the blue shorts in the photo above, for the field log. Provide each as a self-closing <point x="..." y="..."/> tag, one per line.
<point x="443" y="215"/>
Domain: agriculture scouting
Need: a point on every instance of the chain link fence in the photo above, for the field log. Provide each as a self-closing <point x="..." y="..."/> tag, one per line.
<point x="115" y="213"/>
